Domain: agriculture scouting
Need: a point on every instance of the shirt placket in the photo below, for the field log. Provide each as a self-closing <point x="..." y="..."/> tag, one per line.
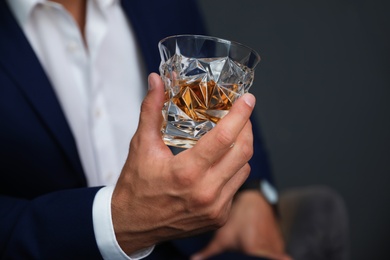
<point x="100" y="122"/>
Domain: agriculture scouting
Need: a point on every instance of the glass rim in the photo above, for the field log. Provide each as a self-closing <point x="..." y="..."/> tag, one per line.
<point x="213" y="38"/>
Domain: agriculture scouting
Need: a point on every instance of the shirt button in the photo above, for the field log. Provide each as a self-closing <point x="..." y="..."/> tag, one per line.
<point x="72" y="46"/>
<point x="98" y="113"/>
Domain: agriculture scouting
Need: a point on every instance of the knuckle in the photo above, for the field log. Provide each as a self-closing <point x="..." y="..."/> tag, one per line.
<point x="204" y="199"/>
<point x="135" y="143"/>
<point x="218" y="217"/>
<point x="245" y="170"/>
<point x="184" y="179"/>
<point x="247" y="151"/>
<point x="182" y="176"/>
<point x="145" y="104"/>
<point x="224" y="137"/>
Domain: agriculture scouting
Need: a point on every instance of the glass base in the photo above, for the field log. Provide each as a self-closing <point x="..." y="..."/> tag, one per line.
<point x="179" y="142"/>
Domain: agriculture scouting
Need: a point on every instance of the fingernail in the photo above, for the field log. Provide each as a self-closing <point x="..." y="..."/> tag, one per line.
<point x="249" y="99"/>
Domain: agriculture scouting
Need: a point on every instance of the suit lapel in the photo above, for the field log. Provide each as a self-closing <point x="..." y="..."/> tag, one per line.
<point x="153" y="20"/>
<point x="20" y="63"/>
<point x="142" y="16"/>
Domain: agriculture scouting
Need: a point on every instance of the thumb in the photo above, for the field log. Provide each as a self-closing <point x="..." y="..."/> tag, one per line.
<point x="213" y="248"/>
<point x="151" y="117"/>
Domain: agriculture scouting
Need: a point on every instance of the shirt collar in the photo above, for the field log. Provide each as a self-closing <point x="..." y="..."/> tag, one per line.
<point x="106" y="3"/>
<point x="22" y="8"/>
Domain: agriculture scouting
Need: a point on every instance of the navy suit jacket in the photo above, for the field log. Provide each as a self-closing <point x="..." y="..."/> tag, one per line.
<point x="45" y="206"/>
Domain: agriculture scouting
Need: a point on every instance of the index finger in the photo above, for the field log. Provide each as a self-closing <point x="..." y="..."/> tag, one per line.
<point x="213" y="145"/>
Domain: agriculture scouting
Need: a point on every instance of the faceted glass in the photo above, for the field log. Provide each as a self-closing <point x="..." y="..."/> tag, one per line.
<point x="203" y="77"/>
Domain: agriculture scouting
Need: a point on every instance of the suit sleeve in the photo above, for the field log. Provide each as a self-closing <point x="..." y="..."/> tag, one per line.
<point x="57" y="225"/>
<point x="261" y="177"/>
<point x="260" y="167"/>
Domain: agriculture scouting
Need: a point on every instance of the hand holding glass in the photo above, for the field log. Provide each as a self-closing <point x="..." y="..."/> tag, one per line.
<point x="203" y="76"/>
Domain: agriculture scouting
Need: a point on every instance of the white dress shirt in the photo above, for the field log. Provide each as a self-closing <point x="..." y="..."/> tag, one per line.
<point x="100" y="85"/>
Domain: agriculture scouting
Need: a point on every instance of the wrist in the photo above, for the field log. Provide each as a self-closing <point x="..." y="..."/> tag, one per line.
<point x="267" y="190"/>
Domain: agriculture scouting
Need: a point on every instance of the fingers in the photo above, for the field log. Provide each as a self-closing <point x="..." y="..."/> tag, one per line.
<point x="236" y="156"/>
<point x="234" y="183"/>
<point x="213" y="248"/>
<point x="151" y="118"/>
<point x="212" y="146"/>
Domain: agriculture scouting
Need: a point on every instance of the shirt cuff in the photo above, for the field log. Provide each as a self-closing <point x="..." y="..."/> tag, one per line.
<point x="104" y="229"/>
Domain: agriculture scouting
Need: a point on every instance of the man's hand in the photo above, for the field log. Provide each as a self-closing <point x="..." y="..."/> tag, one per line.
<point x="251" y="229"/>
<point x="160" y="196"/>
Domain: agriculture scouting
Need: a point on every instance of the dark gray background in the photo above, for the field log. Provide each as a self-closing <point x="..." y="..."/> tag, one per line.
<point x="322" y="92"/>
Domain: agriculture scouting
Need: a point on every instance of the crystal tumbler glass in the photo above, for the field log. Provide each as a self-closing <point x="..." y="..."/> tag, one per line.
<point x="203" y="77"/>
